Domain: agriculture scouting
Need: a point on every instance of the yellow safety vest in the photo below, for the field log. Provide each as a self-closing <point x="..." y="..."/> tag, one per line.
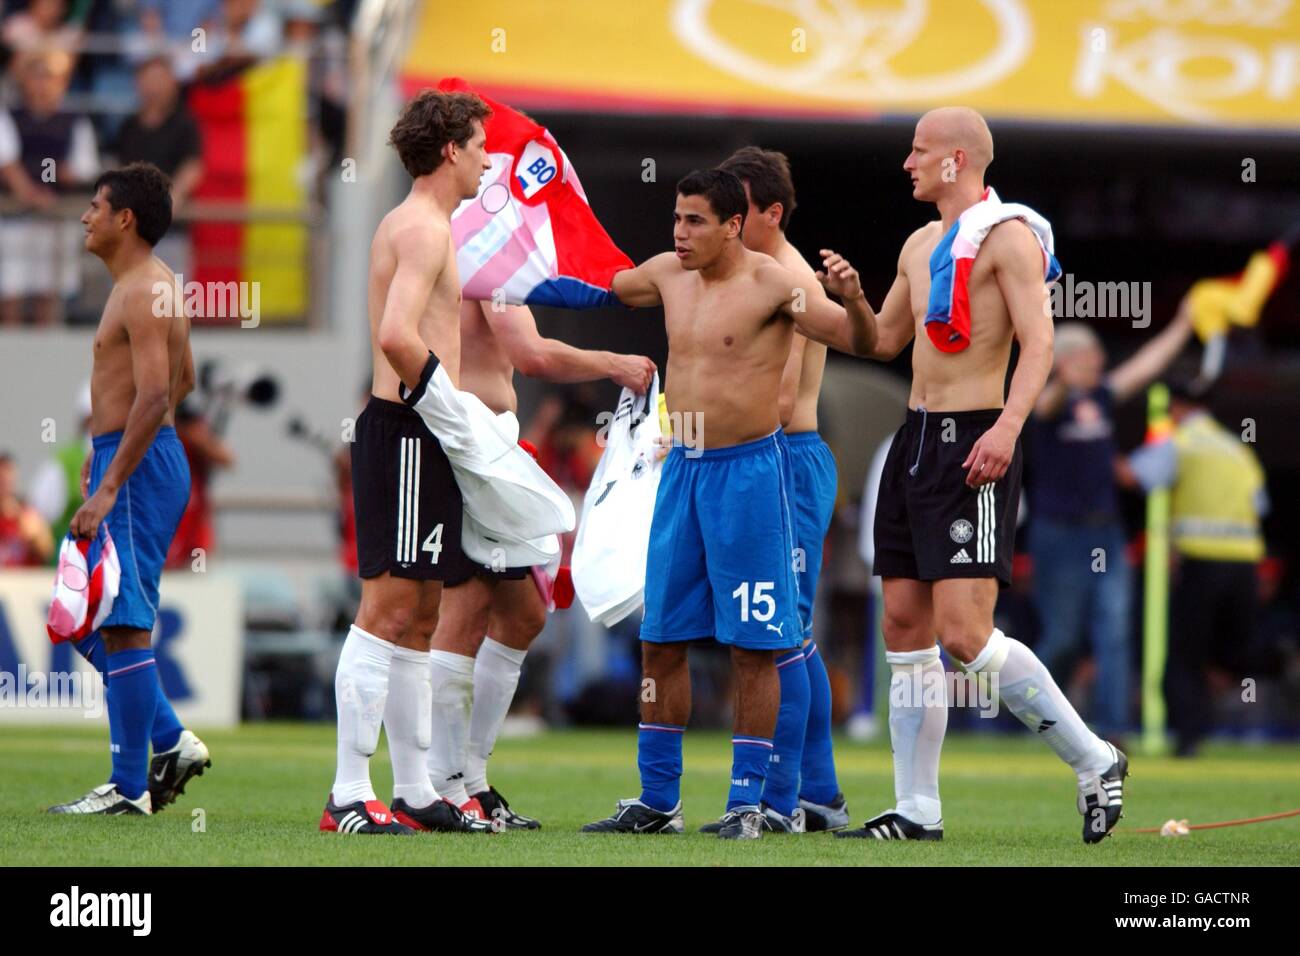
<point x="1213" y="513"/>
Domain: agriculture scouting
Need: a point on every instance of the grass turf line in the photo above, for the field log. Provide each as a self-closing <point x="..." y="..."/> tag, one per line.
<point x="1007" y="801"/>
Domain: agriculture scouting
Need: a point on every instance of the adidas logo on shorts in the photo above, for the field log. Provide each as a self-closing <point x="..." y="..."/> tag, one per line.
<point x="961" y="557"/>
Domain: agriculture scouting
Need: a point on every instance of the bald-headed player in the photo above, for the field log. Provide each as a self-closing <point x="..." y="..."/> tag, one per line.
<point x="489" y="617"/>
<point x="722" y="542"/>
<point x="945" y="517"/>
<point x="137" y="482"/>
<point x="802" y="774"/>
<point x="408" y="505"/>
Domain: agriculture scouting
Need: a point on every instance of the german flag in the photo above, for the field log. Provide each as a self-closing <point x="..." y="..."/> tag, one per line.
<point x="254" y="145"/>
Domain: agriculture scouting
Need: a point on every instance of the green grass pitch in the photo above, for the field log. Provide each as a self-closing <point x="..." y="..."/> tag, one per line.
<point x="1007" y="801"/>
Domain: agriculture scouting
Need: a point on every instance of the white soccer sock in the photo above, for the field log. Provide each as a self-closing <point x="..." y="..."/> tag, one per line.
<point x="408" y="721"/>
<point x="496" y="675"/>
<point x="361" y="690"/>
<point x="918" y="720"/>
<point x="1028" y="689"/>
<point x="453" y="689"/>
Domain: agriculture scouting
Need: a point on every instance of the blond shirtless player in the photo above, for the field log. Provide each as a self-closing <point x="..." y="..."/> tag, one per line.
<point x="945" y="517"/>
<point x="408" y="505"/>
<point x="137" y="483"/>
<point x="489" y="617"/>
<point x="722" y="542"/>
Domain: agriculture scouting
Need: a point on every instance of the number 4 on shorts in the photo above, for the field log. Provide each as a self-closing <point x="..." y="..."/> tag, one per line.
<point x="759" y="598"/>
<point x="433" y="543"/>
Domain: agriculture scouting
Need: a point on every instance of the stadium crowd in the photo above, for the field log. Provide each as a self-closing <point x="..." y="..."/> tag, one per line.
<point x="97" y="83"/>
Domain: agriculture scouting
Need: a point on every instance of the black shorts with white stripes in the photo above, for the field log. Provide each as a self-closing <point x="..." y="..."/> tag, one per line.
<point x="930" y="524"/>
<point x="407" y="501"/>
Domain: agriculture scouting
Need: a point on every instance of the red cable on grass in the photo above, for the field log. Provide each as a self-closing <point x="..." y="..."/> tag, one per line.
<point x="1225" y="823"/>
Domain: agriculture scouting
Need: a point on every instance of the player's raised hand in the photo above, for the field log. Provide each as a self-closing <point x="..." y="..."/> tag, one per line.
<point x="839" y="276"/>
<point x="634" y="372"/>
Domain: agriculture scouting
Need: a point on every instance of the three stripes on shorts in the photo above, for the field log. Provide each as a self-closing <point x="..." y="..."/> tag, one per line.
<point x="985" y="525"/>
<point x="408" y="501"/>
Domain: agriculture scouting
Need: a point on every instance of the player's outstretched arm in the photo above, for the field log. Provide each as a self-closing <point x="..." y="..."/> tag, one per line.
<point x="638" y="287"/>
<point x="849" y="328"/>
<point x="1018" y="269"/>
<point x="554" y="361"/>
<point x="151" y="372"/>
<point x="421" y="252"/>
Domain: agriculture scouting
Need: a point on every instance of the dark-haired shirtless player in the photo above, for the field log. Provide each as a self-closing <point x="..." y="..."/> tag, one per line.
<point x="722" y="540"/>
<point x="137" y="482"/>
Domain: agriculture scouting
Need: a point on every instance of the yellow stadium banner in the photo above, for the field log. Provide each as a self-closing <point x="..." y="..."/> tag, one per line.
<point x="1218" y="63"/>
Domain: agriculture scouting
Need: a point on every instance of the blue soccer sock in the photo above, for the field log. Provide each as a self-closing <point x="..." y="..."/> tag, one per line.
<point x="132" y="701"/>
<point x="750" y="758"/>
<point x="819" y="783"/>
<point x="659" y="758"/>
<point x="781" y="791"/>
<point x="167" y="727"/>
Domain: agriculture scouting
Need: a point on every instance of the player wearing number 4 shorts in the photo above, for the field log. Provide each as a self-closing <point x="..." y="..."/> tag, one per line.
<point x="408" y="505"/>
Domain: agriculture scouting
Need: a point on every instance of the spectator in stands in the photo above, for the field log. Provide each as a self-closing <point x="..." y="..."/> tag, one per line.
<point x="1217" y="497"/>
<point x="311" y="34"/>
<point x="563" y="430"/>
<point x="1082" y="593"/>
<point x="176" y="20"/>
<point x="25" y="539"/>
<point x="242" y="32"/>
<point x="164" y="133"/>
<point x="45" y="151"/>
<point x="41" y="28"/>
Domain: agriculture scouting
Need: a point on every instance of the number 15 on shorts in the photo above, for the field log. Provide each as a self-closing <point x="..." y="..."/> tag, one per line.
<point x="755" y="601"/>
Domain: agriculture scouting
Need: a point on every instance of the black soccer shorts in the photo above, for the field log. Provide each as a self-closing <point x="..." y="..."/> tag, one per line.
<point x="408" y="505"/>
<point x="930" y="524"/>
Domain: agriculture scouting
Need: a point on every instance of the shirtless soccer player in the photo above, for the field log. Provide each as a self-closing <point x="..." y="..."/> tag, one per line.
<point x="138" y="482"/>
<point x="945" y="517"/>
<point x="722" y="537"/>
<point x="408" y="505"/>
<point x="488" y="618"/>
<point x="802" y="773"/>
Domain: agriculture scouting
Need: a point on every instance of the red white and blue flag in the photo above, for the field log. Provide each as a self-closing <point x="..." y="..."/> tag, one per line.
<point x="85" y="586"/>
<point x="529" y="237"/>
